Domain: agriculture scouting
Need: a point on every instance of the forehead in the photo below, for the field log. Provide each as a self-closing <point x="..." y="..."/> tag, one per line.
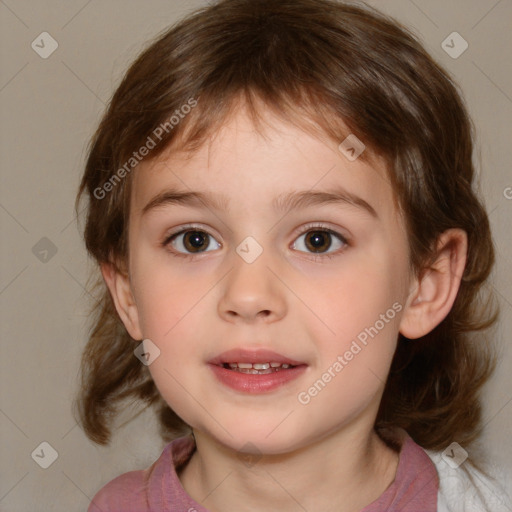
<point x="240" y="161"/>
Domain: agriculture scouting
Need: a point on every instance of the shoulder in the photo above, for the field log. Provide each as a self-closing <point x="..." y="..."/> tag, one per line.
<point x="154" y="488"/>
<point x="127" y="492"/>
<point x="464" y="488"/>
<point x="131" y="492"/>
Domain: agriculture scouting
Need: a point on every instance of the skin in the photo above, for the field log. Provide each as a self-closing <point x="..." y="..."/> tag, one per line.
<point x="291" y="300"/>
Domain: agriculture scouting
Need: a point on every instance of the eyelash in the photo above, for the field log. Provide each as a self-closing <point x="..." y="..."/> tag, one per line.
<point x="306" y="229"/>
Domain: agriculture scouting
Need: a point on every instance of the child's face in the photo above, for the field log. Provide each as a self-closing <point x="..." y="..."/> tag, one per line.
<point x="301" y="304"/>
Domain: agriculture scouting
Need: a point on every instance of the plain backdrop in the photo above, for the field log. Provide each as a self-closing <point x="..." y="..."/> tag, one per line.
<point x="50" y="107"/>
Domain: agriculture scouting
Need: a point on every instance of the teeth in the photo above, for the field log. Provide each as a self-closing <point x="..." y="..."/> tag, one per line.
<point x="261" y="366"/>
<point x="255" y="368"/>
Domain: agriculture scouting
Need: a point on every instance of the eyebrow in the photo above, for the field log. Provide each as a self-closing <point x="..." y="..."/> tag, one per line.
<point x="284" y="202"/>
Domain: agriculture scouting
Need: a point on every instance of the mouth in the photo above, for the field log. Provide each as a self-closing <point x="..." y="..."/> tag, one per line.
<point x="255" y="371"/>
<point x="250" y="361"/>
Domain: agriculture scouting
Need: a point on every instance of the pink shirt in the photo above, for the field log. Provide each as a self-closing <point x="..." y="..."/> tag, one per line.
<point x="158" y="488"/>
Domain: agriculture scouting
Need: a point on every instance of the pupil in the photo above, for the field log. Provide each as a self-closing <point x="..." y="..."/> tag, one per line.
<point x="317" y="240"/>
<point x="195" y="240"/>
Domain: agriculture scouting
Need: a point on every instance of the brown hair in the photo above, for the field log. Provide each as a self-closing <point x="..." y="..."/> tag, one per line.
<point x="327" y="66"/>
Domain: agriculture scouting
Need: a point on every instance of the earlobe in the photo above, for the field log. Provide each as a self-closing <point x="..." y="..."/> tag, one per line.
<point x="120" y="290"/>
<point x="434" y="293"/>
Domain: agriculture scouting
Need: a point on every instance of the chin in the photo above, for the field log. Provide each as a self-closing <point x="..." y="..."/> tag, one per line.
<point x="258" y="439"/>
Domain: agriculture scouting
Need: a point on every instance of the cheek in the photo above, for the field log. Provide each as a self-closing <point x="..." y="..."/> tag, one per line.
<point x="355" y="297"/>
<point x="166" y="297"/>
<point x="171" y="309"/>
<point x="354" y="366"/>
<point x="360" y="312"/>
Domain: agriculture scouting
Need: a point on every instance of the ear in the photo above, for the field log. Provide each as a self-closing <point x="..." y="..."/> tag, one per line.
<point x="120" y="289"/>
<point x="433" y="295"/>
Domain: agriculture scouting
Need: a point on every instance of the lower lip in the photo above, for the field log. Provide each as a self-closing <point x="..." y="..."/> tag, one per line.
<point x="252" y="383"/>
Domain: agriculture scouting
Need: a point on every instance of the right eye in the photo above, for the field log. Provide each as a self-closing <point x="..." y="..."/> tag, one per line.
<point x="189" y="242"/>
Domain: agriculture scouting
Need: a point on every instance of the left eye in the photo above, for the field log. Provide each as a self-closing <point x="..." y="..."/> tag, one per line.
<point x="192" y="241"/>
<point x="319" y="241"/>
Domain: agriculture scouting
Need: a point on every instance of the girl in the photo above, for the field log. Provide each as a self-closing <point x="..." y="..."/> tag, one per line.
<point x="281" y="206"/>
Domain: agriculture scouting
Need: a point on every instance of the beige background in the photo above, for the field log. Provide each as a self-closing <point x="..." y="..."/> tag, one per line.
<point x="50" y="108"/>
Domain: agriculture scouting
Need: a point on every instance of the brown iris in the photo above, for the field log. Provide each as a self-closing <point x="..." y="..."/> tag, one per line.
<point x="318" y="241"/>
<point x="195" y="241"/>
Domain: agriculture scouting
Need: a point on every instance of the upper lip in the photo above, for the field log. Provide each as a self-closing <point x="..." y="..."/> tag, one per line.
<point x="239" y="355"/>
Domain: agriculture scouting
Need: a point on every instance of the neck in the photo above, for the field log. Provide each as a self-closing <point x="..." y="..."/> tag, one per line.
<point x="343" y="472"/>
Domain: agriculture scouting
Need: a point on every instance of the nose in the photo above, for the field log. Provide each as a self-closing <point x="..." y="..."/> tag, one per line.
<point x="252" y="293"/>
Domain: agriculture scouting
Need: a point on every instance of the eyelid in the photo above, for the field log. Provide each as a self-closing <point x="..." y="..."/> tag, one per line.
<point x="187" y="227"/>
<point x="320" y="226"/>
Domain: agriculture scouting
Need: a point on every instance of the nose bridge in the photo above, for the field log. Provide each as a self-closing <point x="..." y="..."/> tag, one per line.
<point x="251" y="289"/>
